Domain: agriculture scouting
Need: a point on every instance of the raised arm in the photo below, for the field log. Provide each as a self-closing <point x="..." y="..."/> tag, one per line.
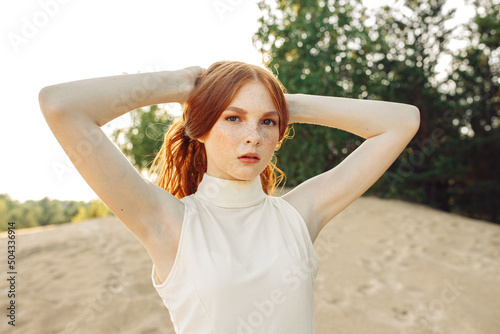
<point x="75" y="111"/>
<point x="104" y="99"/>
<point x="387" y="128"/>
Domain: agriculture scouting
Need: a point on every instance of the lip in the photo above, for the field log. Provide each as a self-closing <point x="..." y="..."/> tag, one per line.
<point x="249" y="157"/>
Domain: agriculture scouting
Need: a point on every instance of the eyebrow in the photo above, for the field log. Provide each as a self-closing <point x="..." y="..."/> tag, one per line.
<point x="243" y="111"/>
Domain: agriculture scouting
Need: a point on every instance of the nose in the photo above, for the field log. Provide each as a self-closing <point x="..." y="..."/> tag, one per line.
<point x="253" y="136"/>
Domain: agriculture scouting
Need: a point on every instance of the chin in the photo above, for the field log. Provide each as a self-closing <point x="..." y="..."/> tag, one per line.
<point x="246" y="175"/>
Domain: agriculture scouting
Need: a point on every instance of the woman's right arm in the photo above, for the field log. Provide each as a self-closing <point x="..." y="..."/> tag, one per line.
<point x="75" y="111"/>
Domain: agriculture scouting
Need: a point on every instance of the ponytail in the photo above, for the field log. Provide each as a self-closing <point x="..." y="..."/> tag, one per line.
<point x="181" y="162"/>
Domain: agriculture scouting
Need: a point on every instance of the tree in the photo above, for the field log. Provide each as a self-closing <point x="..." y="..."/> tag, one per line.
<point x="82" y="214"/>
<point x="329" y="48"/>
<point x="47" y="211"/>
<point x="142" y="140"/>
<point x="333" y="48"/>
<point x="316" y="48"/>
<point x="98" y="209"/>
<point x="411" y="39"/>
<point x="474" y="90"/>
<point x="52" y="212"/>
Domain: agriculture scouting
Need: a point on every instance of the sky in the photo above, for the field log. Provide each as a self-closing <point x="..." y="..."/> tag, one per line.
<point x="46" y="42"/>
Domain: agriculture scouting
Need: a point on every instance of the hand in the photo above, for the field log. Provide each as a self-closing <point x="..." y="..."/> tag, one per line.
<point x="187" y="81"/>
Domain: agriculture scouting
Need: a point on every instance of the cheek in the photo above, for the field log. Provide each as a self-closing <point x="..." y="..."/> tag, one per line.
<point x="225" y="137"/>
<point x="270" y="138"/>
<point x="220" y="140"/>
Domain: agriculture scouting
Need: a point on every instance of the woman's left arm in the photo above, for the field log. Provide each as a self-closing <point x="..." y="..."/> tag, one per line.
<point x="387" y="127"/>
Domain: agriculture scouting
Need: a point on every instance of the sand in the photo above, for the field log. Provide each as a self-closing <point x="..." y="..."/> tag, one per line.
<point x="386" y="267"/>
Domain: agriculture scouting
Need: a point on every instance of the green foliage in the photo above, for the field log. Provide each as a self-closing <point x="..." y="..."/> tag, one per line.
<point x="474" y="93"/>
<point x="411" y="40"/>
<point x="95" y="209"/>
<point x="81" y="214"/>
<point x="47" y="212"/>
<point x="321" y="49"/>
<point x="142" y="140"/>
<point x="334" y="48"/>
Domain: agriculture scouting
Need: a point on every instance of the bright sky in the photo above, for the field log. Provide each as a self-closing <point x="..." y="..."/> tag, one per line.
<point x="46" y="42"/>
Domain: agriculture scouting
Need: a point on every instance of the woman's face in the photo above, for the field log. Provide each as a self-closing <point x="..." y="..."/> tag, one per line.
<point x="242" y="141"/>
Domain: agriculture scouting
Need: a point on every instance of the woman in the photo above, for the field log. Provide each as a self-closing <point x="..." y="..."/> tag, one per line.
<point x="227" y="257"/>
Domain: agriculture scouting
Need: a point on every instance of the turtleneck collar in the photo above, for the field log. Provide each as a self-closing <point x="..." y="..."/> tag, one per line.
<point x="230" y="193"/>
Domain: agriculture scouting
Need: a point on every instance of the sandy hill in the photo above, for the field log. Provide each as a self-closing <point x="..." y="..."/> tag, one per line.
<point x="386" y="267"/>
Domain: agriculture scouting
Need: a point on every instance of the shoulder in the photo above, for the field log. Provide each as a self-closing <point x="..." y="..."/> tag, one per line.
<point x="286" y="203"/>
<point x="297" y="201"/>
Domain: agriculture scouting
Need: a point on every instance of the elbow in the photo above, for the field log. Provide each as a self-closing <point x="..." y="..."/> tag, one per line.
<point x="413" y="119"/>
<point x="48" y="102"/>
<point x="45" y="100"/>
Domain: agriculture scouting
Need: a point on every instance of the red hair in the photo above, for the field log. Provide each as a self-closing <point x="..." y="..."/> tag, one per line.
<point x="181" y="162"/>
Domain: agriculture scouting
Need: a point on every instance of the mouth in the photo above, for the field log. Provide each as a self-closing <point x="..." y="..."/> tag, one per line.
<point x="249" y="158"/>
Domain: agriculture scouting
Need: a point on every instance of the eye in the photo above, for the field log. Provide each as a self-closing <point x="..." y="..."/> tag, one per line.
<point x="269" y="122"/>
<point x="232" y="118"/>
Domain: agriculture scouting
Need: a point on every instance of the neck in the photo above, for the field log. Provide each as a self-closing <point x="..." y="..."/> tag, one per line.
<point x="230" y="193"/>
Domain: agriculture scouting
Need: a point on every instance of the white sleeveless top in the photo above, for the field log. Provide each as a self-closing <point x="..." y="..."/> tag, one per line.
<point x="245" y="264"/>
